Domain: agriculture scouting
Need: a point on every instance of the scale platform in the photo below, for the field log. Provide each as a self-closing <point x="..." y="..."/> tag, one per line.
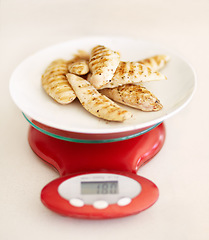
<point x="98" y="160"/>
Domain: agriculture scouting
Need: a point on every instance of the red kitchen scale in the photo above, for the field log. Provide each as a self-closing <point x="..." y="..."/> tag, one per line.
<point x="98" y="160"/>
<point x="98" y="179"/>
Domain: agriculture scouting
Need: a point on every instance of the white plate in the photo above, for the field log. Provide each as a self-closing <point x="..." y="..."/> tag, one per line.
<point x="27" y="92"/>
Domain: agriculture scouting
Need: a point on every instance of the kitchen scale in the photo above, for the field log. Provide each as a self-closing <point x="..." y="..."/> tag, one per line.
<point x="98" y="160"/>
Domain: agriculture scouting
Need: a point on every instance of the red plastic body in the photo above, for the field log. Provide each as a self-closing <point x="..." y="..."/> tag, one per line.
<point x="72" y="158"/>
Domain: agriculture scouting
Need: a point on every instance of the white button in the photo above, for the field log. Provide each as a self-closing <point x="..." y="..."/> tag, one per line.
<point x="124" y="201"/>
<point x="100" y="204"/>
<point x="76" y="202"/>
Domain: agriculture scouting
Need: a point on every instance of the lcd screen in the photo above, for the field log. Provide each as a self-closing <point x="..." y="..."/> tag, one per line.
<point x="102" y="187"/>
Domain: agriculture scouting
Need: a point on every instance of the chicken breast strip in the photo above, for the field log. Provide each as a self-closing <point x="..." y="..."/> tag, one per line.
<point x="131" y="73"/>
<point x="134" y="96"/>
<point x="55" y="83"/>
<point x="79" y="56"/>
<point x="95" y="103"/>
<point x="79" y="65"/>
<point x="156" y="62"/>
<point x="79" y="68"/>
<point x="103" y="63"/>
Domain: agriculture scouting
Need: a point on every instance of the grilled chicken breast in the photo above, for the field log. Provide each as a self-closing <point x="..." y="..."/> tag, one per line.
<point x="134" y="96"/>
<point x="97" y="104"/>
<point x="156" y="62"/>
<point x="55" y="83"/>
<point x="131" y="73"/>
<point x="79" y="67"/>
<point x="79" y="64"/>
<point x="103" y="63"/>
<point x="83" y="55"/>
<point x="79" y="56"/>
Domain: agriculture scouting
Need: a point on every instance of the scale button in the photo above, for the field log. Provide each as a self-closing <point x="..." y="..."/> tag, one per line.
<point x="124" y="201"/>
<point x="100" y="204"/>
<point x="76" y="202"/>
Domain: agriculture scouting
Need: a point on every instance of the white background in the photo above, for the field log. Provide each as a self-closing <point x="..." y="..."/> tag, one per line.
<point x="180" y="170"/>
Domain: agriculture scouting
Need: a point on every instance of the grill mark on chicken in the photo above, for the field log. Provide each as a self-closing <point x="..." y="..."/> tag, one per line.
<point x="132" y="73"/>
<point x="156" y="62"/>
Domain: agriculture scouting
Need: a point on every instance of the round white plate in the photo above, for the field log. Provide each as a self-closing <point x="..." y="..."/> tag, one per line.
<point x="28" y="94"/>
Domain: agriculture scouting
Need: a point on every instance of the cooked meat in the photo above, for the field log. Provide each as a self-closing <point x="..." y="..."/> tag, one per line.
<point x="131" y="73"/>
<point x="55" y="83"/>
<point x="79" y="56"/>
<point x="79" y="67"/>
<point x="156" y="62"/>
<point x="97" y="104"/>
<point x="134" y="96"/>
<point x="103" y="63"/>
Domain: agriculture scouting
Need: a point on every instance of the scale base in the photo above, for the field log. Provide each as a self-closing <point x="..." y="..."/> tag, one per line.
<point x="73" y="158"/>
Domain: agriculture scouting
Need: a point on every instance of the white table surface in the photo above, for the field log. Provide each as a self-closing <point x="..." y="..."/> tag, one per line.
<point x="180" y="169"/>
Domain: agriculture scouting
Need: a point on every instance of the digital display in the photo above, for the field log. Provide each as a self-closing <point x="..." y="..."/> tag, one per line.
<point x="102" y="187"/>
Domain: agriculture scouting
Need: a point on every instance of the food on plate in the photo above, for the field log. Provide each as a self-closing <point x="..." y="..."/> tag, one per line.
<point x="96" y="103"/>
<point x="100" y="78"/>
<point x="55" y="83"/>
<point x="103" y="63"/>
<point x="79" y="64"/>
<point x="134" y="96"/>
<point x="80" y="55"/>
<point x="133" y="72"/>
<point x="79" y="67"/>
<point x="156" y="62"/>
